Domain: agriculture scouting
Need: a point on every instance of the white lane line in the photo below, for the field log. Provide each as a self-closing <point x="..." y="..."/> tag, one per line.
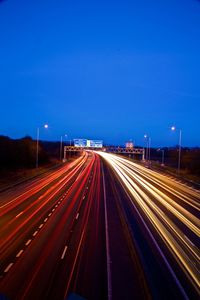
<point x="108" y="258"/>
<point x="189" y="240"/>
<point x="41" y="225"/>
<point x="56" y="205"/>
<point x="19" y="253"/>
<point x="28" y="242"/>
<point x="64" y="251"/>
<point x="8" y="267"/>
<point x="53" y="209"/>
<point x="34" y="234"/>
<point x="49" y="214"/>
<point x="83" y="197"/>
<point x="17" y="216"/>
<point x="77" y="215"/>
<point x="45" y="220"/>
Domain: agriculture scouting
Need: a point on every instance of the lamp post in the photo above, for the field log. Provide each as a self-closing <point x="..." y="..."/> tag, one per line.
<point x="163" y="156"/>
<point x="61" y="148"/>
<point x="37" y="144"/>
<point x="61" y="145"/>
<point x="173" y="128"/>
<point x="148" y="147"/>
<point x="145" y="136"/>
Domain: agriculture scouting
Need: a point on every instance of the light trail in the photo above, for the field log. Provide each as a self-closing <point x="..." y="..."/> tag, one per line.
<point x="159" y="199"/>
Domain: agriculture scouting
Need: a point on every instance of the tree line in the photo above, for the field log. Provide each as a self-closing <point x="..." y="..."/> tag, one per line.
<point x="21" y="153"/>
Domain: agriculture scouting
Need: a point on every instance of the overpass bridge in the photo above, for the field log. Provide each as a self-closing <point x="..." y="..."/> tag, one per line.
<point x="109" y="149"/>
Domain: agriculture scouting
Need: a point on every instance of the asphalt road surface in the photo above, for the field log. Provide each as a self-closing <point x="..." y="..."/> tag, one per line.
<point x="101" y="227"/>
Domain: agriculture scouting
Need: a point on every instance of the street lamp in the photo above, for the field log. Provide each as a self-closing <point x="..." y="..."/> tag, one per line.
<point x="173" y="128"/>
<point x="61" y="148"/>
<point x="61" y="142"/>
<point x="148" y="148"/>
<point x="37" y="143"/>
<point x="163" y="155"/>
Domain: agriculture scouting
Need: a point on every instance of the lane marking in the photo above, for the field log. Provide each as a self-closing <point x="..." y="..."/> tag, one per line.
<point x="77" y="215"/>
<point x="53" y="209"/>
<point x="41" y="225"/>
<point x="189" y="240"/>
<point x="28" y="242"/>
<point x="17" y="216"/>
<point x="64" y="251"/>
<point x="8" y="267"/>
<point x="35" y="233"/>
<point x="108" y="258"/>
<point x="19" y="253"/>
<point x="45" y="220"/>
<point x="49" y="214"/>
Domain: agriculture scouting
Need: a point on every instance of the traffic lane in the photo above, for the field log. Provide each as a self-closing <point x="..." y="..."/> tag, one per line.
<point x="89" y="278"/>
<point x="183" y="221"/>
<point x="128" y="279"/>
<point x="157" y="272"/>
<point x="32" y="271"/>
<point x="36" y="206"/>
<point x="180" y="246"/>
<point x="181" y="255"/>
<point x="189" y="197"/>
<point x="22" y="194"/>
<point x="12" y="239"/>
<point x="160" y="202"/>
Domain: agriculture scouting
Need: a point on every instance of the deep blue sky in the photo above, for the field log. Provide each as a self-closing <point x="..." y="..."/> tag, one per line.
<point x="112" y="70"/>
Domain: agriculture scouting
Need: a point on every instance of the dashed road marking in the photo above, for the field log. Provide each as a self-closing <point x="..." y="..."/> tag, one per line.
<point x="8" y="267"/>
<point x="19" y="253"/>
<point x="49" y="214"/>
<point x="41" y="225"/>
<point x="77" y="215"/>
<point x="17" y="216"/>
<point x="189" y="240"/>
<point x="64" y="251"/>
<point x="34" y="234"/>
<point x="28" y="242"/>
<point x="45" y="220"/>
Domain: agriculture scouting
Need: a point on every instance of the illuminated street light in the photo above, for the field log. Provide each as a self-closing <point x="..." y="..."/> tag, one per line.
<point x="61" y="142"/>
<point x="37" y="143"/>
<point x="173" y="128"/>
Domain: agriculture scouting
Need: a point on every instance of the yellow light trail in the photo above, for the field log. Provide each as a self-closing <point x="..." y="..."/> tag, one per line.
<point x="160" y="199"/>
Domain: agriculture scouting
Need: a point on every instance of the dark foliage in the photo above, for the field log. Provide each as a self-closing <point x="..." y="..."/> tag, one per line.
<point x="21" y="153"/>
<point x="190" y="158"/>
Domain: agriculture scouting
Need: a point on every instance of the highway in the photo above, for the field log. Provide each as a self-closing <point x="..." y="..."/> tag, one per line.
<point x="101" y="227"/>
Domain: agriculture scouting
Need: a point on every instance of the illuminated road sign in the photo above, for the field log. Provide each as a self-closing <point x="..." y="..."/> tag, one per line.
<point x="88" y="143"/>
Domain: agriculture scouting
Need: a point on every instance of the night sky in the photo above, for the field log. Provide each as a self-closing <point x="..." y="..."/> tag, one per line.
<point x="111" y="70"/>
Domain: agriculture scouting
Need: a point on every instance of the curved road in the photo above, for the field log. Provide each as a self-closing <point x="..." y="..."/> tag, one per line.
<point x="101" y="227"/>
